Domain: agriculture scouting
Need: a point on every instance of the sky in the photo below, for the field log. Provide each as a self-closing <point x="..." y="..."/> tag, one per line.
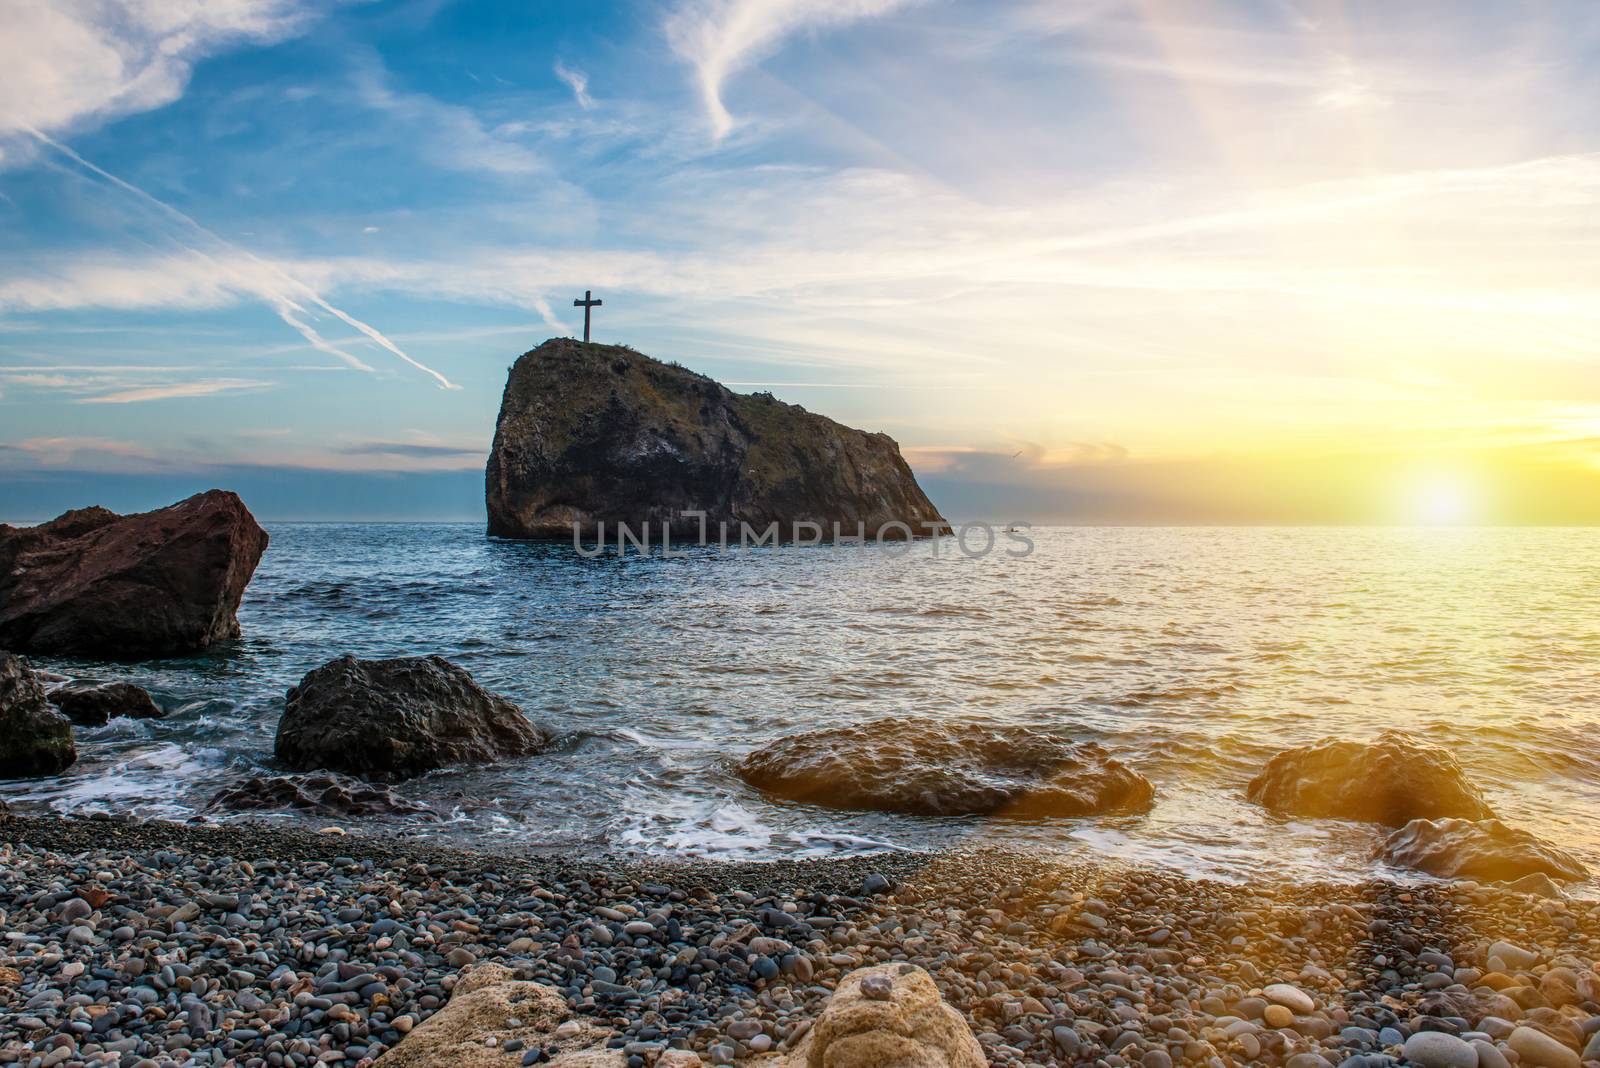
<point x="1088" y="261"/>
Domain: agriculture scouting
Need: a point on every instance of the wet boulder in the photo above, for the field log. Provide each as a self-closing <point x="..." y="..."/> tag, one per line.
<point x="320" y="794"/>
<point x="929" y="767"/>
<point x="95" y="583"/>
<point x="1486" y="850"/>
<point x="392" y="719"/>
<point x="35" y="739"/>
<point x="888" y="1016"/>
<point x="95" y="705"/>
<point x="1391" y="780"/>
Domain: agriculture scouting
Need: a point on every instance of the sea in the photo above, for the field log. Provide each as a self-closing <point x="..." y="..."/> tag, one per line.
<point x="1193" y="654"/>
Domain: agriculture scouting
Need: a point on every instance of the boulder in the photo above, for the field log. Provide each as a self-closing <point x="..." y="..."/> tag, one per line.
<point x="888" y="1016"/>
<point x="94" y="705"/>
<point x="931" y="767"/>
<point x="1391" y="780"/>
<point x="488" y="1005"/>
<point x="322" y="794"/>
<point x="592" y="434"/>
<point x="95" y="583"/>
<point x="391" y="719"/>
<point x="35" y="739"/>
<point x="1485" y="850"/>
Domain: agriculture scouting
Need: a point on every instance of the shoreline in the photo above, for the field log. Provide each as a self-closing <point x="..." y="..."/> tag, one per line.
<point x="241" y="943"/>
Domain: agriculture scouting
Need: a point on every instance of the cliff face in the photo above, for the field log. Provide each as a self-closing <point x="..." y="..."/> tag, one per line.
<point x="598" y="433"/>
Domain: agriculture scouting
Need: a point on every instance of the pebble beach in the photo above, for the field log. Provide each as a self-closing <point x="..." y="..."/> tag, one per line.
<point x="155" y="943"/>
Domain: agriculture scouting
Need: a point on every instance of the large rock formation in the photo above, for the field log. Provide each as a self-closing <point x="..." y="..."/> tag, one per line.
<point x="392" y="719"/>
<point x="599" y="433"/>
<point x="35" y="739"/>
<point x="932" y="767"/>
<point x="1486" y="850"/>
<point x="95" y="583"/>
<point x="1392" y="780"/>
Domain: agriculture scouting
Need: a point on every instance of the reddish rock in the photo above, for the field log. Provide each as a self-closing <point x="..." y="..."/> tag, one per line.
<point x="95" y="583"/>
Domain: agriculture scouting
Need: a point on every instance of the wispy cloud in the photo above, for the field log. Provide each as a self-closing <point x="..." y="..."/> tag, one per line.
<point x="719" y="38"/>
<point x="199" y="388"/>
<point x="69" y="63"/>
<point x="577" y="81"/>
<point x="285" y="294"/>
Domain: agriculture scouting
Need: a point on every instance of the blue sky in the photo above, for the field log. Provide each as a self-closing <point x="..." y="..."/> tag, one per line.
<point x="1093" y="260"/>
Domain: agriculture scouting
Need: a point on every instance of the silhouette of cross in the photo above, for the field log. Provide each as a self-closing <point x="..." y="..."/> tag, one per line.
<point x="586" y="303"/>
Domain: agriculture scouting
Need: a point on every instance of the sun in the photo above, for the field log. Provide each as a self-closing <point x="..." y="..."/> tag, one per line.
<point x="1440" y="499"/>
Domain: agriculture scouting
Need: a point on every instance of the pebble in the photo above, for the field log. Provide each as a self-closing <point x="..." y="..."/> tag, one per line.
<point x="273" y="949"/>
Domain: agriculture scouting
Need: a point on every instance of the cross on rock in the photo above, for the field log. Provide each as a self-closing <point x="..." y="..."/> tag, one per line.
<point x="586" y="303"/>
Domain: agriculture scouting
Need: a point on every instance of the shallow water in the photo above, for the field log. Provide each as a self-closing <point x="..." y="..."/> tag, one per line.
<point x="1193" y="654"/>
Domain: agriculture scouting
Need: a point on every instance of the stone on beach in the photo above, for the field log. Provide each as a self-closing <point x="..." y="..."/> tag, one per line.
<point x="1435" y="1049"/>
<point x="94" y="583"/>
<point x="35" y="739"/>
<point x="392" y="719"/>
<point x="934" y="767"/>
<point x="488" y="1008"/>
<point x="96" y="704"/>
<point x="1538" y="1050"/>
<point x="1486" y="850"/>
<point x="324" y="794"/>
<point x="888" y="1016"/>
<point x="1391" y="780"/>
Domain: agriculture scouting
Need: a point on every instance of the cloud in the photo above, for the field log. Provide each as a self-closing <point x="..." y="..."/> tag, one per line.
<point x="452" y="136"/>
<point x="200" y="388"/>
<point x="577" y="81"/>
<point x="68" y="64"/>
<point x="719" y="38"/>
<point x="284" y="293"/>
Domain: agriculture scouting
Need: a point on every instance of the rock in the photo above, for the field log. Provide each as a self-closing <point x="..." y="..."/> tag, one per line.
<point x="489" y="1004"/>
<point x="391" y="719"/>
<point x="934" y="767"/>
<point x="1435" y="1049"/>
<point x="1538" y="884"/>
<point x="1292" y="998"/>
<point x="600" y="433"/>
<point x="1513" y="955"/>
<point x="1489" y="1055"/>
<point x="1391" y="780"/>
<point x="93" y="583"/>
<point x="95" y="705"/>
<point x="1486" y="850"/>
<point x="912" y="1028"/>
<point x="1538" y="1050"/>
<point x="35" y="739"/>
<point x="1277" y="1016"/>
<point x="322" y="794"/>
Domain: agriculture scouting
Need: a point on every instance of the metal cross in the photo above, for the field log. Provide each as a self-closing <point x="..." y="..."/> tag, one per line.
<point x="586" y="303"/>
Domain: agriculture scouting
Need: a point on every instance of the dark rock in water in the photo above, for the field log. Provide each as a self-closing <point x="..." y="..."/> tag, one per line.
<point x="599" y="433"/>
<point x="35" y="739"/>
<point x="390" y="719"/>
<point x="932" y="767"/>
<point x="323" y="794"/>
<point x="1485" y="850"/>
<point x="1391" y="780"/>
<point x="97" y="705"/>
<point x="94" y="583"/>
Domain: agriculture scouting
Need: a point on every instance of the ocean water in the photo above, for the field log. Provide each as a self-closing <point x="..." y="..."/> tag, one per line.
<point x="1193" y="654"/>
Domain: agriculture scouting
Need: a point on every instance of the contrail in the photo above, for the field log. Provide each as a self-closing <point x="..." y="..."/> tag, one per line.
<point x="286" y="308"/>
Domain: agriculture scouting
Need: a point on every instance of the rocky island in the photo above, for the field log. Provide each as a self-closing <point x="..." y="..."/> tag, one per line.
<point x="592" y="434"/>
